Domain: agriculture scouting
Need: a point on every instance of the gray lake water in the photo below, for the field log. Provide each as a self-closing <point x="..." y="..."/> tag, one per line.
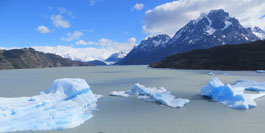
<point x="131" y="115"/>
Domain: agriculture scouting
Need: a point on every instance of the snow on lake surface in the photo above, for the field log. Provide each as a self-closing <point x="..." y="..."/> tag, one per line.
<point x="147" y="94"/>
<point x="233" y="95"/>
<point x="131" y="115"/>
<point x="66" y="104"/>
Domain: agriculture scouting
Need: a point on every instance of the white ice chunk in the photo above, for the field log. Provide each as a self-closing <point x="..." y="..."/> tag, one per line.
<point x="260" y="71"/>
<point x="119" y="93"/>
<point x="160" y="95"/>
<point x="226" y="74"/>
<point x="212" y="73"/>
<point x="66" y="104"/>
<point x="233" y="95"/>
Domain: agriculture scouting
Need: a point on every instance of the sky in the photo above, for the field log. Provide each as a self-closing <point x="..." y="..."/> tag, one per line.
<point x="94" y="29"/>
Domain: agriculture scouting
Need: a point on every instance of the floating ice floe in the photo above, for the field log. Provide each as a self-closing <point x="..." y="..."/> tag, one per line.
<point x="226" y="74"/>
<point x="119" y="93"/>
<point x="212" y="73"/>
<point x="161" y="95"/>
<point x="66" y="104"/>
<point x="233" y="95"/>
<point x="260" y="71"/>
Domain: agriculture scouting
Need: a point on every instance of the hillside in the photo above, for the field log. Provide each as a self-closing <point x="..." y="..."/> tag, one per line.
<point x="249" y="56"/>
<point x="29" y="58"/>
<point x="97" y="63"/>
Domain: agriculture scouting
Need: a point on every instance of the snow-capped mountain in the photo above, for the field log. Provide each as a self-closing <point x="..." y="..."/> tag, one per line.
<point x="116" y="56"/>
<point x="259" y="33"/>
<point x="152" y="43"/>
<point x="149" y="47"/>
<point x="209" y="30"/>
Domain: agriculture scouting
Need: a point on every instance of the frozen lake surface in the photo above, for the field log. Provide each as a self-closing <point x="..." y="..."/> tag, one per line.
<point x="131" y="115"/>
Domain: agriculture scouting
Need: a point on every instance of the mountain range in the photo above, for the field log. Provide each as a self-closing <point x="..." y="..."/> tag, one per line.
<point x="29" y="58"/>
<point x="97" y="63"/>
<point x="210" y="30"/>
<point x="116" y="57"/>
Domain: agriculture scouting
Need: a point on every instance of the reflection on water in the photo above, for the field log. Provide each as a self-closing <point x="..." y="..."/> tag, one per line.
<point x="131" y="115"/>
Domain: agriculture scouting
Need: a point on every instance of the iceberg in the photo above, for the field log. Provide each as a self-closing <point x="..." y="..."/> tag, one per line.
<point x="260" y="71"/>
<point x="160" y="95"/>
<point x="66" y="104"/>
<point x="233" y="95"/>
<point x="226" y="74"/>
<point x="212" y="73"/>
<point x="119" y="93"/>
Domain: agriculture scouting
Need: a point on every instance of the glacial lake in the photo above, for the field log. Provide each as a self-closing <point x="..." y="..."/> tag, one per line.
<point x="131" y="115"/>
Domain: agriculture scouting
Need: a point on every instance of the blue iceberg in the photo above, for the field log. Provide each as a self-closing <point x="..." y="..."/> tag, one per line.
<point x="160" y="95"/>
<point x="66" y="104"/>
<point x="212" y="73"/>
<point x="233" y="95"/>
<point x="260" y="71"/>
<point x="119" y="93"/>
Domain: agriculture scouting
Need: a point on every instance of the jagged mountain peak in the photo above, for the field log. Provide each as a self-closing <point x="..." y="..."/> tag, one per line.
<point x="218" y="15"/>
<point x="215" y="28"/>
<point x="153" y="42"/>
<point x="218" y="12"/>
<point x="209" y="30"/>
<point x="258" y="32"/>
<point x="116" y="56"/>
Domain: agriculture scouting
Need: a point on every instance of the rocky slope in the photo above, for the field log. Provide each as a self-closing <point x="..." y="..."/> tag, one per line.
<point x="29" y="58"/>
<point x="116" y="57"/>
<point x="146" y="52"/>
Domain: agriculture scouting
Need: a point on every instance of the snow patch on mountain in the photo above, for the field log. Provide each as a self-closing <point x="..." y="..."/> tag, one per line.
<point x="259" y="32"/>
<point x="210" y="30"/>
<point x="116" y="56"/>
<point x="152" y="43"/>
<point x="227" y="24"/>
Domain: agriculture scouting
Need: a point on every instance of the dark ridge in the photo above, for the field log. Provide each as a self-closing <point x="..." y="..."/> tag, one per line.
<point x="250" y="56"/>
<point x="97" y="63"/>
<point x="29" y="58"/>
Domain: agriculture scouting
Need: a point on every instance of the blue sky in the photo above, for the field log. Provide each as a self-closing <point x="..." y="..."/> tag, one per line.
<point x="95" y="29"/>
<point x="112" y="19"/>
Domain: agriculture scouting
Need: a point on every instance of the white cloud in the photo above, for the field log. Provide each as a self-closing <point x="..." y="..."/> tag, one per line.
<point x="43" y="29"/>
<point x="169" y="17"/>
<point x="84" y="54"/>
<point x="104" y="42"/>
<point x="93" y="2"/>
<point x="82" y="42"/>
<point x="72" y="36"/>
<point x="64" y="11"/>
<point x="138" y="6"/>
<point x="132" y="40"/>
<point x="10" y="48"/>
<point x="58" y="21"/>
<point x="107" y="48"/>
